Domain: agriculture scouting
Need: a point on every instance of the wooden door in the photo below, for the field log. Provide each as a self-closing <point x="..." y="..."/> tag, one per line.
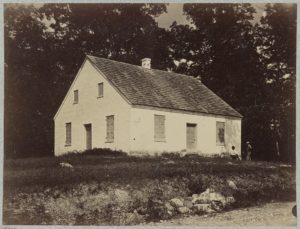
<point x="88" y="130"/>
<point x="191" y="138"/>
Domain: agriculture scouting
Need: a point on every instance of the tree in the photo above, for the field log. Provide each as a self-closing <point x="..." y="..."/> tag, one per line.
<point x="44" y="48"/>
<point x="26" y="81"/>
<point x="277" y="45"/>
<point x="220" y="47"/>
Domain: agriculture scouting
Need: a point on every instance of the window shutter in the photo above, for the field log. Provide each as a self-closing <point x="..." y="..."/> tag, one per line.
<point x="76" y="96"/>
<point x="220" y="133"/>
<point x="100" y="90"/>
<point x="68" y="133"/>
<point x="159" y="128"/>
<point x="110" y="128"/>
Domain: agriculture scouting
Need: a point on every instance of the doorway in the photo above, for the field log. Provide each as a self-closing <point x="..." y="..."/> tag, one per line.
<point x="191" y="136"/>
<point x="88" y="135"/>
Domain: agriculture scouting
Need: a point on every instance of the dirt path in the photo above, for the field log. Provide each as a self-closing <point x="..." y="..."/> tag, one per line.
<point x="272" y="214"/>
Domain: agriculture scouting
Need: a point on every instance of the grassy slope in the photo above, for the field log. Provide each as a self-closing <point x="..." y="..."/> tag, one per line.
<point x="153" y="177"/>
<point x="23" y="173"/>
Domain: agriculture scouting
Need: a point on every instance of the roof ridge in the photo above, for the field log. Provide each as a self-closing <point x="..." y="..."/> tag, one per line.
<point x="151" y="69"/>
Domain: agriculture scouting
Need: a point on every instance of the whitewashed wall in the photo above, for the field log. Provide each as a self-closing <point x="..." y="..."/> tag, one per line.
<point x="91" y="109"/>
<point x="142" y="132"/>
<point x="134" y="127"/>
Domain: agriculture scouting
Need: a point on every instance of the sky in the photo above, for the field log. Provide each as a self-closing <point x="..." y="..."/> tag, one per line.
<point x="175" y="13"/>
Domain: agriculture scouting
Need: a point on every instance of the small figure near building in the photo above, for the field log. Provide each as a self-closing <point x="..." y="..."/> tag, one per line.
<point x="233" y="154"/>
<point x="248" y="151"/>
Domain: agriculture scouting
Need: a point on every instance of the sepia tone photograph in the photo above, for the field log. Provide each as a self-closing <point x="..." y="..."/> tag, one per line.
<point x="150" y="114"/>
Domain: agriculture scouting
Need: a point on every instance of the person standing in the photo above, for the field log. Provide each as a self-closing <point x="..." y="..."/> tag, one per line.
<point x="248" y="151"/>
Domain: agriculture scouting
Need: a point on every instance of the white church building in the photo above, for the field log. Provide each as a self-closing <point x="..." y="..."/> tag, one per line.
<point x="137" y="109"/>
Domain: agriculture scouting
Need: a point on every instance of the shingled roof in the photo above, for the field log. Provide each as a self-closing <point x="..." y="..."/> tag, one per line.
<point x="162" y="89"/>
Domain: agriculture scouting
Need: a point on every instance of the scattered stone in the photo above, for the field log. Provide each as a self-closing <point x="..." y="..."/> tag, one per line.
<point x="232" y="184"/>
<point x="203" y="208"/>
<point x="188" y="203"/>
<point x="66" y="165"/>
<point x="217" y="206"/>
<point x="169" y="207"/>
<point x="133" y="218"/>
<point x="229" y="200"/>
<point x="183" y="210"/>
<point x="170" y="213"/>
<point x="195" y="196"/>
<point x="283" y="165"/>
<point x="209" y="197"/>
<point x="170" y="162"/>
<point x="203" y="198"/>
<point x="157" y="201"/>
<point x="217" y="197"/>
<point x="175" y="202"/>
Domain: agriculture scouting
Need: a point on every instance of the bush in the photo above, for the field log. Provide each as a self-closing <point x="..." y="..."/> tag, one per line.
<point x="97" y="152"/>
<point x="168" y="155"/>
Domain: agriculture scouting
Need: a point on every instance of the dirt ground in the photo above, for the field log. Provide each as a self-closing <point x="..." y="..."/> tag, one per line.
<point x="271" y="214"/>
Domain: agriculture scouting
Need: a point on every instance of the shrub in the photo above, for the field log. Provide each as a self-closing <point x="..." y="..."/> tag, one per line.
<point x="168" y="155"/>
<point x="97" y="152"/>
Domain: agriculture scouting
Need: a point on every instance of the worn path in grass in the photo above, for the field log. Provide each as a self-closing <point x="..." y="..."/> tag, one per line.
<point x="271" y="214"/>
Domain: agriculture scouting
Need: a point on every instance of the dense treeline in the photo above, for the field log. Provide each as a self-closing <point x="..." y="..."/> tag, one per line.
<point x="251" y="65"/>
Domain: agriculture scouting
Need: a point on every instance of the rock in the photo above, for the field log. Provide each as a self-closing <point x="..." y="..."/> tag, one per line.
<point x="208" y="197"/>
<point x="217" y="206"/>
<point x="188" y="203"/>
<point x="203" y="198"/>
<point x="175" y="202"/>
<point x="183" y="210"/>
<point x="232" y="184"/>
<point x="170" y="213"/>
<point x="194" y="196"/>
<point x="271" y="167"/>
<point x="133" y="218"/>
<point x="287" y="166"/>
<point x="203" y="208"/>
<point x="169" y="207"/>
<point x="217" y="197"/>
<point x="170" y="162"/>
<point x="229" y="200"/>
<point x="66" y="165"/>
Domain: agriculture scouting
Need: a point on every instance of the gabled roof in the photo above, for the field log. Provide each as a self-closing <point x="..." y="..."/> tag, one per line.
<point x="162" y="89"/>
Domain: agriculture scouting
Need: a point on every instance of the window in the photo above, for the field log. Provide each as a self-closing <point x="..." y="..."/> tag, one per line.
<point x="75" y="96"/>
<point x="100" y="90"/>
<point x="68" y="134"/>
<point x="110" y="128"/>
<point x="220" y="133"/>
<point x="159" y="128"/>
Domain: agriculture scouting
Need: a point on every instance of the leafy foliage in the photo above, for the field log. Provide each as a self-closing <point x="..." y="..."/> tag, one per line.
<point x="41" y="61"/>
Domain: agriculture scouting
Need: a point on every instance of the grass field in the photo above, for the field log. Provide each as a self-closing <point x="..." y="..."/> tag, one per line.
<point x="117" y="190"/>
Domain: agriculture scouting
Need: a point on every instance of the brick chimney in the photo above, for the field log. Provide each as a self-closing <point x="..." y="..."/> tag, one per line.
<point x="146" y="63"/>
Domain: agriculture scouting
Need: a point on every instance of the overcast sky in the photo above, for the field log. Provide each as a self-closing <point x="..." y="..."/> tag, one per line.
<point x="175" y="13"/>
